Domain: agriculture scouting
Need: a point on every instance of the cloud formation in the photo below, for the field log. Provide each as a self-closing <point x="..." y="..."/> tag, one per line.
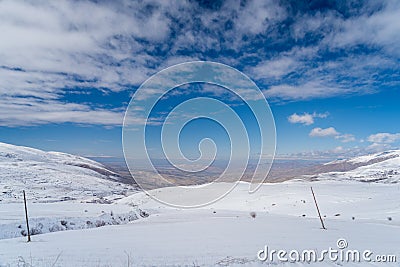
<point x="382" y="141"/>
<point x="294" y="52"/>
<point x="305" y="118"/>
<point x="332" y="132"/>
<point x="384" y="138"/>
<point x="346" y="138"/>
<point x="29" y="112"/>
<point x="319" y="132"/>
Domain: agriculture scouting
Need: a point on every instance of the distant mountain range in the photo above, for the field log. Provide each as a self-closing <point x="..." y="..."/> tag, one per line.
<point x="55" y="176"/>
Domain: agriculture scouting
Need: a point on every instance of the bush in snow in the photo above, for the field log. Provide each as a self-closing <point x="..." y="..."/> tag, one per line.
<point x="100" y="223"/>
<point x="23" y="232"/>
<point x="143" y="214"/>
<point x="48" y="225"/>
<point x="55" y="228"/>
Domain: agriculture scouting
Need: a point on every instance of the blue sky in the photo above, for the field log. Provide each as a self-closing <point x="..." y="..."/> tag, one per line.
<point x="329" y="69"/>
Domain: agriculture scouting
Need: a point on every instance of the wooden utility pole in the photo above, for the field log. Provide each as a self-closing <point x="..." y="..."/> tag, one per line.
<point x="26" y="218"/>
<point x="319" y="213"/>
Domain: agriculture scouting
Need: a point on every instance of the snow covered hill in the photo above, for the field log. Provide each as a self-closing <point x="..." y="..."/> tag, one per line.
<point x="110" y="229"/>
<point x="230" y="232"/>
<point x="55" y="176"/>
<point x="65" y="192"/>
<point x="381" y="167"/>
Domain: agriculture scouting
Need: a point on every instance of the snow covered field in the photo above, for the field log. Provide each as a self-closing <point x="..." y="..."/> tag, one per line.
<point x="54" y="176"/>
<point x="380" y="167"/>
<point x="100" y="226"/>
<point x="225" y="234"/>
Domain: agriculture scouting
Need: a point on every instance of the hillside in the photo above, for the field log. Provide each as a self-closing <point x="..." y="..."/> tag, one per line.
<point x="381" y="167"/>
<point x="225" y="233"/>
<point x="115" y="225"/>
<point x="55" y="176"/>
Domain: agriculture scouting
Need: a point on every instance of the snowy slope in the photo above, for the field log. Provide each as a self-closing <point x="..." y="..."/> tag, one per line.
<point x="54" y="176"/>
<point x="64" y="192"/>
<point x="225" y="234"/>
<point x="380" y="167"/>
<point x="366" y="215"/>
<point x="370" y="158"/>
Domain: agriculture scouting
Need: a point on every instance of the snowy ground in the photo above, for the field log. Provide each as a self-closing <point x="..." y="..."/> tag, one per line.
<point x="381" y="167"/>
<point x="62" y="216"/>
<point x="82" y="216"/>
<point x="54" y="176"/>
<point x="367" y="215"/>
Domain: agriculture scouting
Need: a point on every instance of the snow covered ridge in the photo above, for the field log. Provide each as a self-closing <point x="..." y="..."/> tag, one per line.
<point x="55" y="176"/>
<point x="20" y="153"/>
<point x="381" y="167"/>
<point x="369" y="159"/>
<point x="65" y="192"/>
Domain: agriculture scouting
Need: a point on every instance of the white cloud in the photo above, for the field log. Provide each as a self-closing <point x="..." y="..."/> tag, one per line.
<point x="379" y="28"/>
<point x="381" y="142"/>
<point x="62" y="39"/>
<point x="47" y="48"/>
<point x="346" y="138"/>
<point x="275" y="68"/>
<point x="338" y="149"/>
<point x="306" y="118"/>
<point x="374" y="24"/>
<point x="319" y="132"/>
<point x="257" y="15"/>
<point x="320" y="115"/>
<point x="331" y="131"/>
<point x="29" y="111"/>
<point x="376" y="147"/>
<point x="310" y="89"/>
<point x="384" y="138"/>
<point x="330" y="78"/>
